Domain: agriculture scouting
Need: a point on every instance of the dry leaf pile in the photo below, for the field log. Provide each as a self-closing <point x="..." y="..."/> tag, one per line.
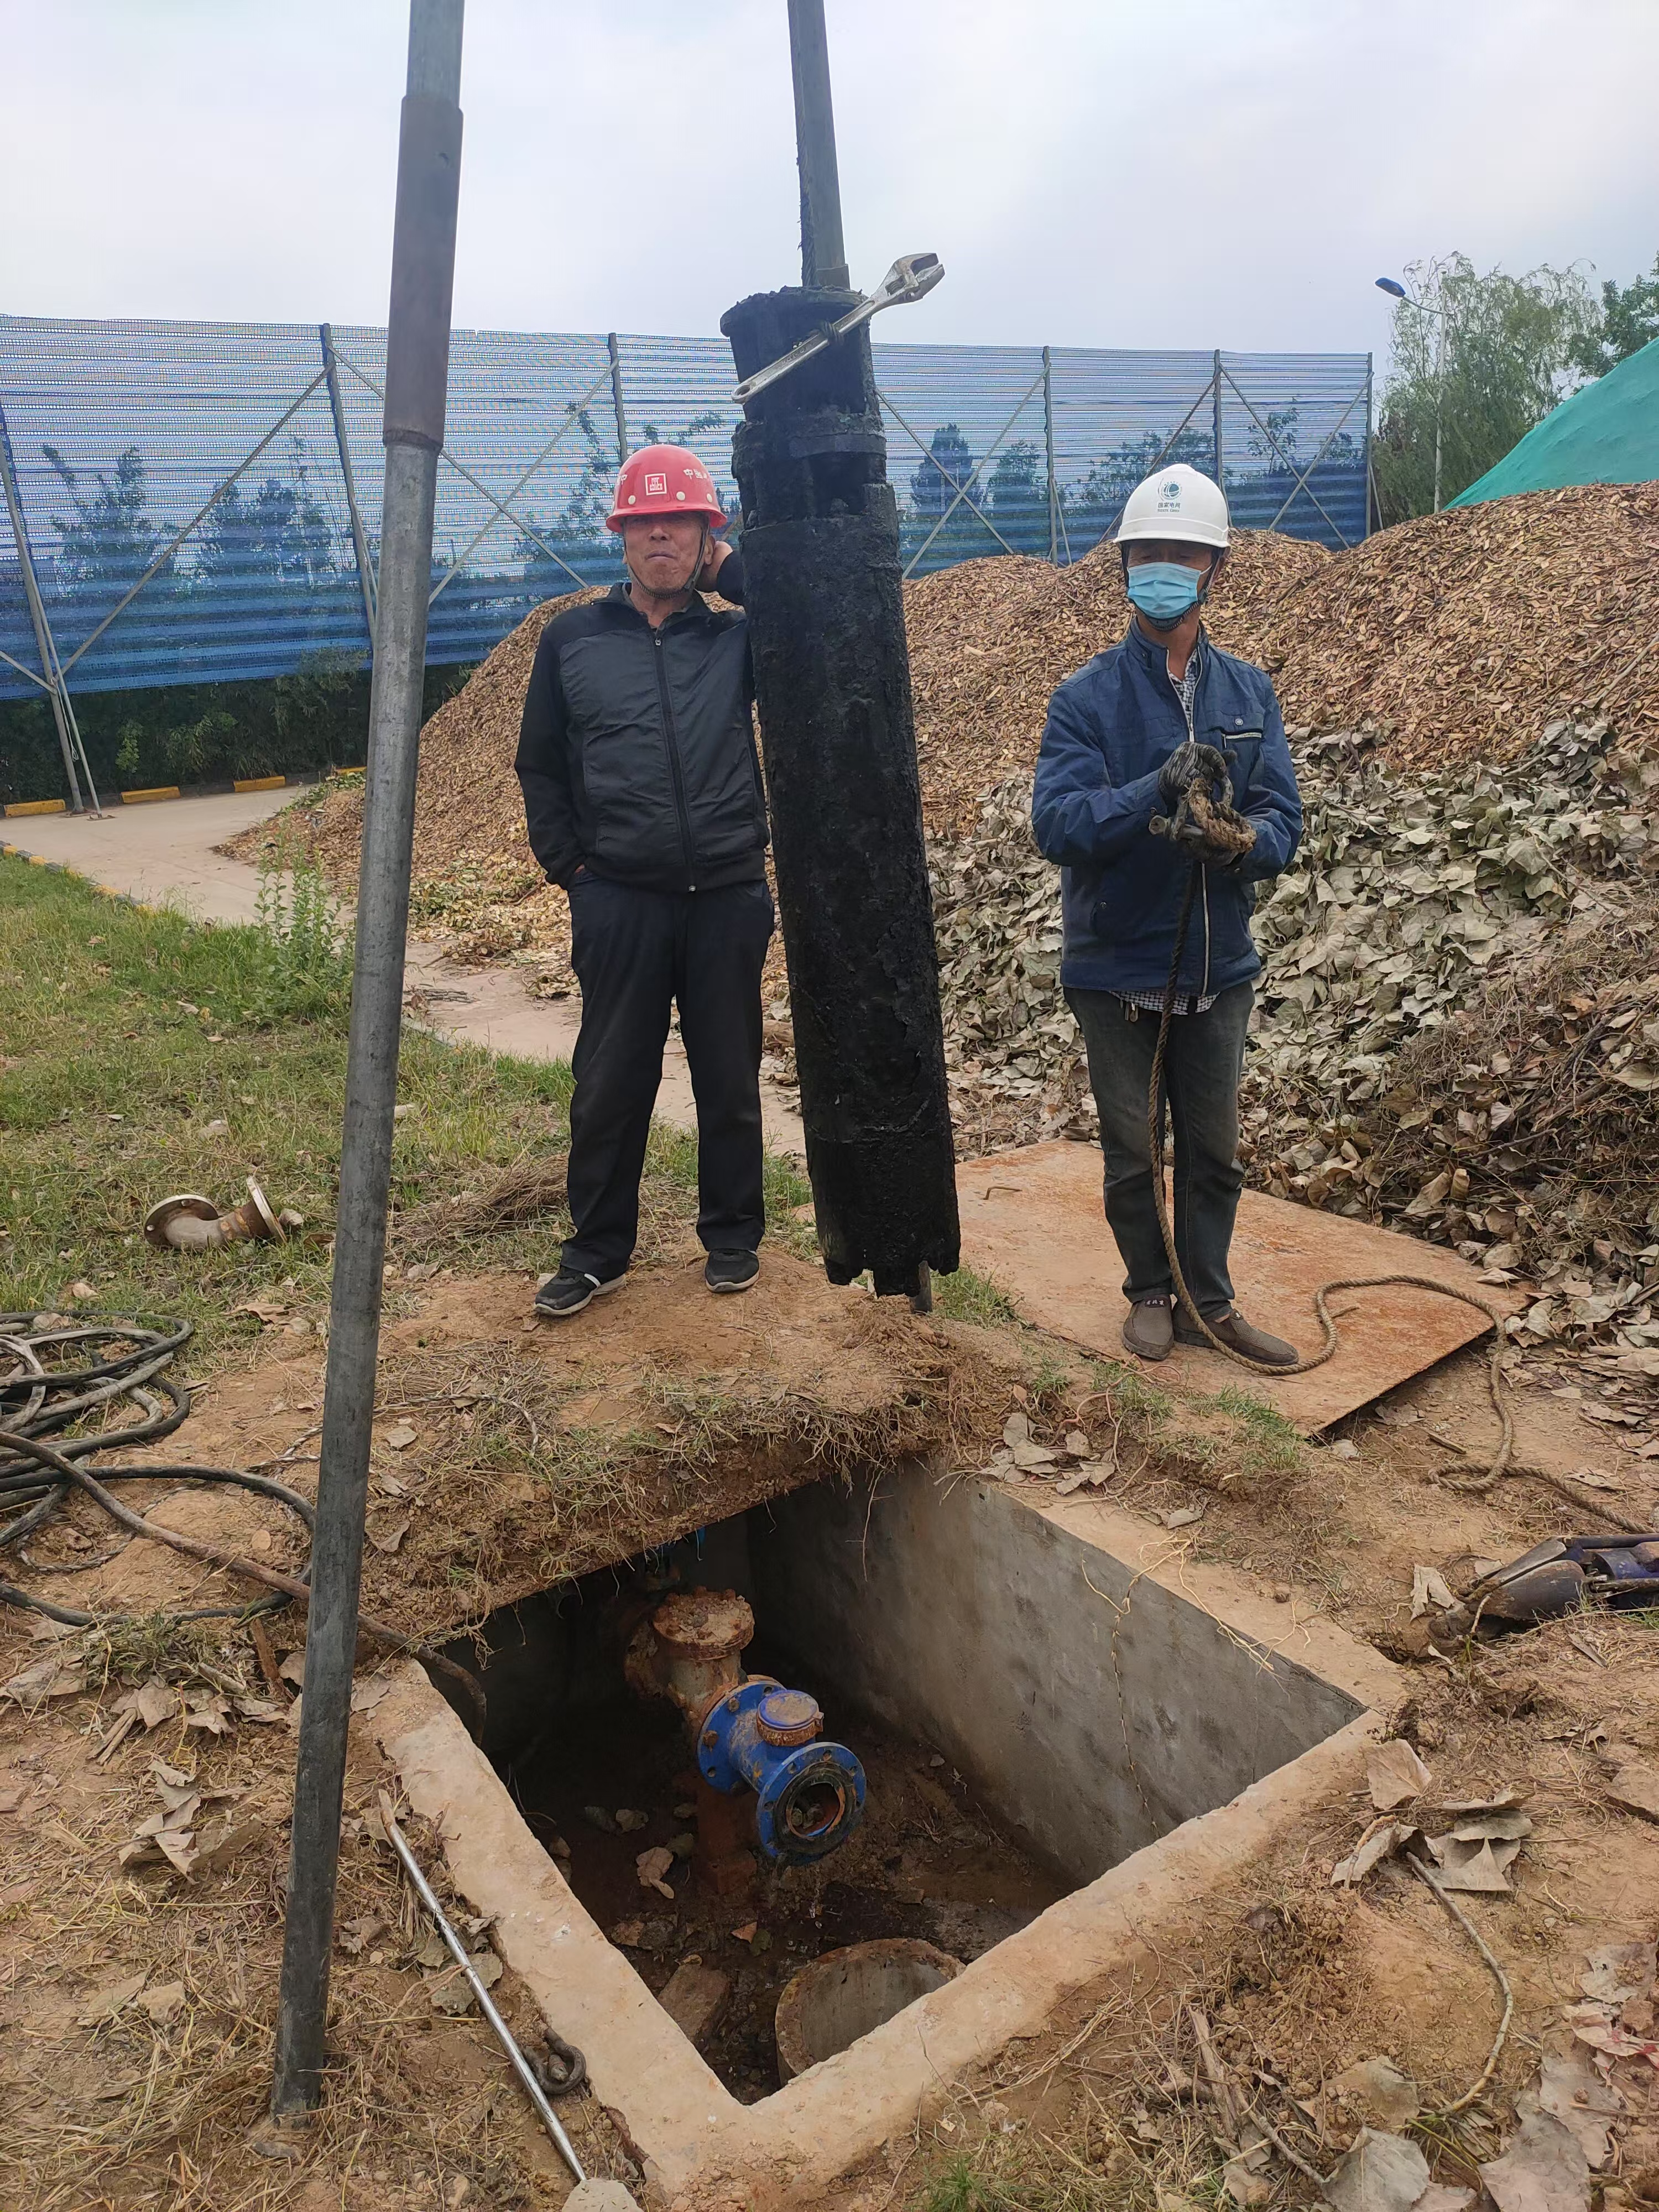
<point x="1459" y="1020"/>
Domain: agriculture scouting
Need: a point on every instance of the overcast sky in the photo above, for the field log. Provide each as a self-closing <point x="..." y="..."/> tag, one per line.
<point x="1195" y="173"/>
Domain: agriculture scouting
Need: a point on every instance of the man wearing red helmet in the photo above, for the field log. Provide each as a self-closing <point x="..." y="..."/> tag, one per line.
<point x="643" y="798"/>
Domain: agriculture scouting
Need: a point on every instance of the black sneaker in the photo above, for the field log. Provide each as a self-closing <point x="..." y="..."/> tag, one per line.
<point x="570" y="1290"/>
<point x="731" y="1271"/>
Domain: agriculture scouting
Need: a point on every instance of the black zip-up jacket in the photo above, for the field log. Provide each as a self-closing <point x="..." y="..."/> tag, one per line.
<point x="637" y="754"/>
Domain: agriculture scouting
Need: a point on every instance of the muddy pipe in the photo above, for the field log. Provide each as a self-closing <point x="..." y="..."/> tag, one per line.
<point x="749" y="1730"/>
<point x="832" y="680"/>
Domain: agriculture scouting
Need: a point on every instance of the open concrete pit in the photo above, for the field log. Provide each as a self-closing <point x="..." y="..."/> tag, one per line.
<point x="1061" y="1738"/>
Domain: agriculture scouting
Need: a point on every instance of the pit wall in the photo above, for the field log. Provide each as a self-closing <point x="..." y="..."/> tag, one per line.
<point x="683" y="2123"/>
<point x="1092" y="1709"/>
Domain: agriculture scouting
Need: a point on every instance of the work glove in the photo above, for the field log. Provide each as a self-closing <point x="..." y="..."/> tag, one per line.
<point x="1186" y="762"/>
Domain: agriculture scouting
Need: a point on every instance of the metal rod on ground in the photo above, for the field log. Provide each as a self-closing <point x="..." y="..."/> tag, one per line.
<point x="823" y="255"/>
<point x="418" y="366"/>
<point x="458" y="1950"/>
<point x="615" y="352"/>
<point x="20" y="538"/>
<point x="359" y="535"/>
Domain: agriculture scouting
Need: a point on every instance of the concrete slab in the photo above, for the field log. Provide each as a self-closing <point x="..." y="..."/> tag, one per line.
<point x="1032" y="1222"/>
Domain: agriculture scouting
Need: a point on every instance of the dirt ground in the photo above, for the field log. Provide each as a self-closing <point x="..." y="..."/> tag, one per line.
<point x="137" y="2003"/>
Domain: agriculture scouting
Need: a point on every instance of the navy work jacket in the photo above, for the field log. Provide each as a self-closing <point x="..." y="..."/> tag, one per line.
<point x="1111" y="729"/>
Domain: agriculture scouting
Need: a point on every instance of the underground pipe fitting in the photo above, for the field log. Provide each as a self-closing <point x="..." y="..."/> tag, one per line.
<point x="749" y="1730"/>
<point x="190" y="1223"/>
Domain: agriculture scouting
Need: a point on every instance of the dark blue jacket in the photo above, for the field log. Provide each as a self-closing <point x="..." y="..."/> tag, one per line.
<point x="1111" y="729"/>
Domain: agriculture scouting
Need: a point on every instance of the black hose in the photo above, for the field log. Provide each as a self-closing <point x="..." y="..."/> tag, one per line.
<point x="39" y="1401"/>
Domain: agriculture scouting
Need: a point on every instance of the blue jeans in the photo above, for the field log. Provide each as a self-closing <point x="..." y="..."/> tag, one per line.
<point x="1200" y="1090"/>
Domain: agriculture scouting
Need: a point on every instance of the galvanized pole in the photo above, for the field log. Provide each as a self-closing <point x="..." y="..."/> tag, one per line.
<point x="822" y="256"/>
<point x="1370" y="401"/>
<point x="43" y="642"/>
<point x="1439" y="395"/>
<point x="417" y="366"/>
<point x="1215" y="397"/>
<point x="359" y="535"/>
<point x="1049" y="442"/>
<point x="614" y="351"/>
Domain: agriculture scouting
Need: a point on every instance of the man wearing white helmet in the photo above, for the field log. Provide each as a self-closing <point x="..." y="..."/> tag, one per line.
<point x="1125" y="737"/>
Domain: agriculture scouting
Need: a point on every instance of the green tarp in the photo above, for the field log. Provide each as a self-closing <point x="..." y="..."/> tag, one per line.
<point x="1608" y="433"/>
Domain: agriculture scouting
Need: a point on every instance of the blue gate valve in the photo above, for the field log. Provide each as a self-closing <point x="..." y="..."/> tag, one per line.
<point x="809" y="1795"/>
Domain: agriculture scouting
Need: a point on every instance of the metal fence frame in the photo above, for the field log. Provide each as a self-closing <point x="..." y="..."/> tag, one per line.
<point x="530" y="412"/>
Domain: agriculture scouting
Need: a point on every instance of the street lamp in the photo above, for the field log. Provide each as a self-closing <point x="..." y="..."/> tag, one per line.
<point x="1397" y="291"/>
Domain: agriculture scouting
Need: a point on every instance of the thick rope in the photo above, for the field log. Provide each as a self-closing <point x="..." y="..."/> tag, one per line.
<point x="1155" y="1103"/>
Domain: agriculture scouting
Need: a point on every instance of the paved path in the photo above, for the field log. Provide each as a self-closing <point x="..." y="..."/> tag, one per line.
<point x="164" y="855"/>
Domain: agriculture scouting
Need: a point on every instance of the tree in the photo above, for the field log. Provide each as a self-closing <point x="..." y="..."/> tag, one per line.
<point x="1020" y="497"/>
<point x="1509" y="354"/>
<point x="110" y="540"/>
<point x="1630" y="320"/>
<point x="949" y="469"/>
<point x="280" y="534"/>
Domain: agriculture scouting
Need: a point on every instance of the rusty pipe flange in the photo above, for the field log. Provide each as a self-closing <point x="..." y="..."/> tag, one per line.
<point x="183" y="1205"/>
<point x="787" y="1718"/>
<point x="254" y="1220"/>
<point x="703" y="1624"/>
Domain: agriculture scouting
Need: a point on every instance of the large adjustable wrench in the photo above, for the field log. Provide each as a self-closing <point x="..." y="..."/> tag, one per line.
<point x="911" y="278"/>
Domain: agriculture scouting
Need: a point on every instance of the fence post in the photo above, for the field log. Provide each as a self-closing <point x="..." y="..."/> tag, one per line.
<point x="416" y="374"/>
<point x="359" y="535"/>
<point x="1371" y="482"/>
<point x="614" y="351"/>
<point x="1048" y="441"/>
<point x="1216" y="389"/>
<point x="43" y="637"/>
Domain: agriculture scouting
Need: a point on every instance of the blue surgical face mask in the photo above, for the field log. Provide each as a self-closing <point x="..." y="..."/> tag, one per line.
<point x="1164" y="591"/>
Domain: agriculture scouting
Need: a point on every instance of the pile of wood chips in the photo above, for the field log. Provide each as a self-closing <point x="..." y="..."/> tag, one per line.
<point x="1458" y="636"/>
<point x="1461" y="635"/>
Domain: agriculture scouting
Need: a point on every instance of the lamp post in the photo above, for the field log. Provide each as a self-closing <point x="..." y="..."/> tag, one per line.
<point x="1398" y="291"/>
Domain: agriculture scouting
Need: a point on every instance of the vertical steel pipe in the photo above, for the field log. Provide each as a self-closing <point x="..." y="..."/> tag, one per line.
<point x="417" y="364"/>
<point x="1215" y="390"/>
<point x="823" y="255"/>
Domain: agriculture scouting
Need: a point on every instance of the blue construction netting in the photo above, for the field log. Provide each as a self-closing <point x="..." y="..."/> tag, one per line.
<point x="122" y="433"/>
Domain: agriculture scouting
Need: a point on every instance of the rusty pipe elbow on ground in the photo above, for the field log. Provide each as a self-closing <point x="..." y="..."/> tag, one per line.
<point x="187" y="1222"/>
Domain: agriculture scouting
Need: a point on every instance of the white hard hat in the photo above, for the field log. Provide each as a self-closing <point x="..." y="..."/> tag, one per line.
<point x="1177" y="502"/>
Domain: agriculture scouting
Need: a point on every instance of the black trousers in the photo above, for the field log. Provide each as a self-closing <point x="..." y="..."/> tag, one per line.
<point x="637" y="954"/>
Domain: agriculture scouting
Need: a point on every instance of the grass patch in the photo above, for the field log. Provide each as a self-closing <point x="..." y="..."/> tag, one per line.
<point x="1268" y="1443"/>
<point x="968" y="1295"/>
<point x="142" y="1053"/>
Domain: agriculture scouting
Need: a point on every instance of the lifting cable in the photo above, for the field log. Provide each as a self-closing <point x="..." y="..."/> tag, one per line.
<point x="1155" y="1105"/>
<point x="125" y="1359"/>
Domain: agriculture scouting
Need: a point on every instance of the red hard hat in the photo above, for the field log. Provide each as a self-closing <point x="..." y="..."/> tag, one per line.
<point x="663" y="480"/>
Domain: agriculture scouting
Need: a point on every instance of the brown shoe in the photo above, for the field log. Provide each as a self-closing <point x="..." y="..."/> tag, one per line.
<point x="1236" y="1333"/>
<point x="1148" y="1332"/>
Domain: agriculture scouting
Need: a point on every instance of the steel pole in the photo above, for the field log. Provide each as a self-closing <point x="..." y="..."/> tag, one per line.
<point x="1439" y="396"/>
<point x="417" y="366"/>
<point x="1215" y="424"/>
<point x="43" y="645"/>
<point x="823" y="255"/>
<point x="359" y="535"/>
<point x="1049" y="443"/>
<point x="621" y="412"/>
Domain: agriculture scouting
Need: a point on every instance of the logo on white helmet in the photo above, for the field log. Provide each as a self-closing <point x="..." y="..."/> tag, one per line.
<point x="1169" y="495"/>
